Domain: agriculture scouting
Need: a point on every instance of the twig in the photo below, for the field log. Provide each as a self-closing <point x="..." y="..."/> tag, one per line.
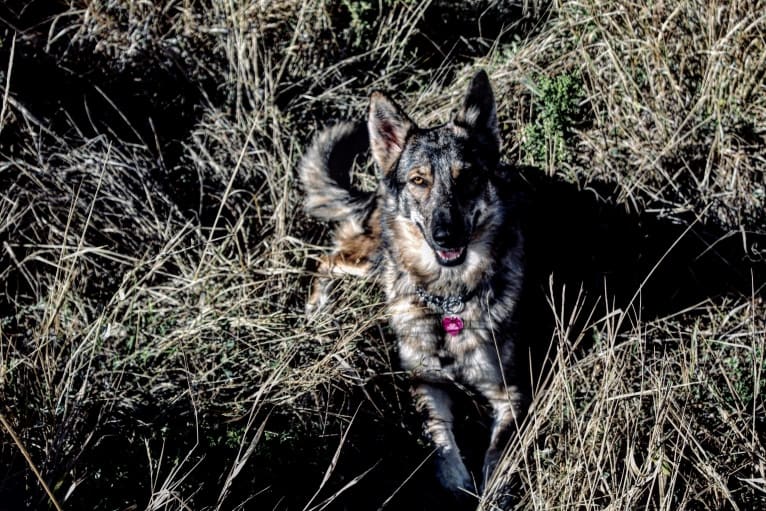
<point x="7" y="83"/>
<point x="31" y="464"/>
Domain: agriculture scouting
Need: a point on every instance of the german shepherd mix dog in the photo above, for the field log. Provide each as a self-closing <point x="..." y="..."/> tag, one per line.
<point x="441" y="229"/>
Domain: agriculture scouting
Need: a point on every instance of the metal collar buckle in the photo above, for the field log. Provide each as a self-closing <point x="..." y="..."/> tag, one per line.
<point x="443" y="304"/>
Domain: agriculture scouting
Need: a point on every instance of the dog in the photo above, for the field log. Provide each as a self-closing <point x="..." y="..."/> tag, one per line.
<point x="442" y="234"/>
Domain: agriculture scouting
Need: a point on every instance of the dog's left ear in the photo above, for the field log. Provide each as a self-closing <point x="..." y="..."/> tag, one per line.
<point x="478" y="114"/>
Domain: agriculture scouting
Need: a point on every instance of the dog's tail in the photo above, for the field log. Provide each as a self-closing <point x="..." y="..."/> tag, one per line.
<point x="325" y="173"/>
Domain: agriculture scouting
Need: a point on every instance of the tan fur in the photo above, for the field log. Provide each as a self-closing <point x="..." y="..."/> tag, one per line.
<point x="355" y="250"/>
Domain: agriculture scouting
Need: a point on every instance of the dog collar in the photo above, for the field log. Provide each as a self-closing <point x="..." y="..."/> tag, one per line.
<point x="453" y="304"/>
<point x="449" y="306"/>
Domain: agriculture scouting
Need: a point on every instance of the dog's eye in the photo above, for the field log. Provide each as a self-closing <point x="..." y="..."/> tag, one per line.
<point x="417" y="181"/>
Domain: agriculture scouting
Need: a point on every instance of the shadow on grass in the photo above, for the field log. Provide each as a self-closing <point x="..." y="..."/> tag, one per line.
<point x="580" y="242"/>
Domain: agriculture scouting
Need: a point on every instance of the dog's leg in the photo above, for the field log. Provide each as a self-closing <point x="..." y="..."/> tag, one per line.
<point x="321" y="287"/>
<point x="354" y="253"/>
<point x="505" y="411"/>
<point x="330" y="267"/>
<point x="451" y="470"/>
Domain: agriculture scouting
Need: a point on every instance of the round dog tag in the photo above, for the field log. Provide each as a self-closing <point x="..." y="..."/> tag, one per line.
<point x="453" y="325"/>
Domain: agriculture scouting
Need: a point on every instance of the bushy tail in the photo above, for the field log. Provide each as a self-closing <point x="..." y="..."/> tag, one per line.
<point x="325" y="173"/>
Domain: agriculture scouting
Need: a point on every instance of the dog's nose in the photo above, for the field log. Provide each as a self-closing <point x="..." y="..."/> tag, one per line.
<point x="444" y="231"/>
<point x="441" y="236"/>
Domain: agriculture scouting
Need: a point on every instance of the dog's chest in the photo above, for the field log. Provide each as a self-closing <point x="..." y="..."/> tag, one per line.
<point x="435" y="352"/>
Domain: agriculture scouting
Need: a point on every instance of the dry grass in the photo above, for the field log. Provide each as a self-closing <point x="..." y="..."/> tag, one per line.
<point x="668" y="416"/>
<point x="153" y="253"/>
<point x="674" y="98"/>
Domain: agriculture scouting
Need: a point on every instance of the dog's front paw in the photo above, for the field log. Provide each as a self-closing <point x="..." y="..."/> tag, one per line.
<point x="454" y="477"/>
<point x="311" y="309"/>
<point x="320" y="297"/>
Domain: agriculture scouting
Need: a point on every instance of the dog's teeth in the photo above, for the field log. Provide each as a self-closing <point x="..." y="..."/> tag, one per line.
<point x="448" y="255"/>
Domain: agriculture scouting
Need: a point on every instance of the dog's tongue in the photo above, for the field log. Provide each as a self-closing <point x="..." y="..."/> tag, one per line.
<point x="448" y="255"/>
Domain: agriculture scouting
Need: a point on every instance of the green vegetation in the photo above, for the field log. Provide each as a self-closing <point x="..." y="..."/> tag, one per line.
<point x="155" y="260"/>
<point x="557" y="100"/>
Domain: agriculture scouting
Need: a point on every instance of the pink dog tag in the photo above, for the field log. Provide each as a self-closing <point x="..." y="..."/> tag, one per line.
<point x="453" y="325"/>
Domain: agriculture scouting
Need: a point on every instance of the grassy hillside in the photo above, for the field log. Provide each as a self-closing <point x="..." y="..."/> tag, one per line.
<point x="155" y="259"/>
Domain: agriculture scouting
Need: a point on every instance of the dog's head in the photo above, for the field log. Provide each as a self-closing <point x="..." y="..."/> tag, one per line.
<point x="439" y="177"/>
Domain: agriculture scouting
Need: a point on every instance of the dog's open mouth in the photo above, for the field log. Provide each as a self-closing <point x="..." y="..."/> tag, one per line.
<point x="451" y="257"/>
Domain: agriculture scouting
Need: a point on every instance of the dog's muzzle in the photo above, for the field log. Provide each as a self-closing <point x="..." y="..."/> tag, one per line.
<point x="449" y="237"/>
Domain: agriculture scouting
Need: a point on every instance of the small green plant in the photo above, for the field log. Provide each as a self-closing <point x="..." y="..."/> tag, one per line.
<point x="742" y="371"/>
<point x="360" y="24"/>
<point x="557" y="102"/>
<point x="366" y="17"/>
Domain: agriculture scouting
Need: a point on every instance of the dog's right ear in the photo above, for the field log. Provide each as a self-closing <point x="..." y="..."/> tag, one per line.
<point x="389" y="127"/>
